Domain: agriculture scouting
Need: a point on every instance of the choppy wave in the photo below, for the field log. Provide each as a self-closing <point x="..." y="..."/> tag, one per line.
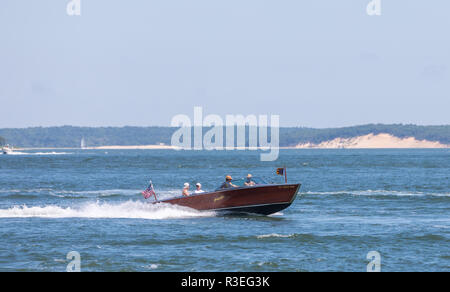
<point x="378" y="193"/>
<point x="151" y="266"/>
<point x="84" y="194"/>
<point x="442" y="226"/>
<point x="275" y="235"/>
<point x="129" y="209"/>
<point x="66" y="194"/>
<point x="94" y="194"/>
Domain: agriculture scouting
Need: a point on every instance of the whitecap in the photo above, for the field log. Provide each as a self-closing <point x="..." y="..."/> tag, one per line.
<point x="274" y="235"/>
<point x="151" y="266"/>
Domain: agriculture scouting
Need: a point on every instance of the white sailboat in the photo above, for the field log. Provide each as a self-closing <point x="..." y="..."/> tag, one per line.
<point x="83" y="143"/>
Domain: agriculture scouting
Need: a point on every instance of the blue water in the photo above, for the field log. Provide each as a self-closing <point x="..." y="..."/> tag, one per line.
<point x="395" y="202"/>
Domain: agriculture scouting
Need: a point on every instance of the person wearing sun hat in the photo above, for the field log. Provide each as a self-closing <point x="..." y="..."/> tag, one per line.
<point x="228" y="184"/>
<point x="185" y="189"/>
<point x="199" y="188"/>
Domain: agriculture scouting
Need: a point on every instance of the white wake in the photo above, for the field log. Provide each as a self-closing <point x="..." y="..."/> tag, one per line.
<point x="129" y="209"/>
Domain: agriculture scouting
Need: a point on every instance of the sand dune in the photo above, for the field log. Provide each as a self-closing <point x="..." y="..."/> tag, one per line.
<point x="375" y="141"/>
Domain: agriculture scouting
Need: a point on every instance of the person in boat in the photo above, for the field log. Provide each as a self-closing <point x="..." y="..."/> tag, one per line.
<point x="249" y="182"/>
<point x="228" y="184"/>
<point x="198" y="188"/>
<point x="185" y="189"/>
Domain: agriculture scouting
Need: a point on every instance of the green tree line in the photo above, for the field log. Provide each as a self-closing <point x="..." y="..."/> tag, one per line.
<point x="68" y="136"/>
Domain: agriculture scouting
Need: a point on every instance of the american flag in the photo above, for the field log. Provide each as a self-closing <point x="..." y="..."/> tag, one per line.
<point x="149" y="192"/>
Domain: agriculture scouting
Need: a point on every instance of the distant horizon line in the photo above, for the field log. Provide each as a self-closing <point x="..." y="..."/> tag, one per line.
<point x="305" y="127"/>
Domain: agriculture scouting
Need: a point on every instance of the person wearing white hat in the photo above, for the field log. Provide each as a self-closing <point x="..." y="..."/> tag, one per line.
<point x="186" y="189"/>
<point x="249" y="181"/>
<point x="199" y="188"/>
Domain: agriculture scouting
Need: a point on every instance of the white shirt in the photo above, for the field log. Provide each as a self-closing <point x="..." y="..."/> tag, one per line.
<point x="198" y="191"/>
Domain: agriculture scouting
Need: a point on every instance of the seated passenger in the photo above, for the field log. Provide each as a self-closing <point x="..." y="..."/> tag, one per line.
<point x="227" y="184"/>
<point x="249" y="181"/>
<point x="199" y="188"/>
<point x="186" y="189"/>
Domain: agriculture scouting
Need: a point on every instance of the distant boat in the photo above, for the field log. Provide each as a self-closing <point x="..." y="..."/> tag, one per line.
<point x="83" y="143"/>
<point x="7" y="149"/>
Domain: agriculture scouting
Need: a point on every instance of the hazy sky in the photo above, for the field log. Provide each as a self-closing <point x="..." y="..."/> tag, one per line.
<point x="315" y="63"/>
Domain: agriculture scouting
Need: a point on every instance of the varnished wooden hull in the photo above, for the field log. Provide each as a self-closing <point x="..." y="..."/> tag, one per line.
<point x="264" y="199"/>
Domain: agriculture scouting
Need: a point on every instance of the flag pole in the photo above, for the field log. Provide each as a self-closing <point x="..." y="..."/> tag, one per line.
<point x="154" y="193"/>
<point x="285" y="175"/>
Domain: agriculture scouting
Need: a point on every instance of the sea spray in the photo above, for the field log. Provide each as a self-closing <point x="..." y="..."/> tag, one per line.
<point x="128" y="209"/>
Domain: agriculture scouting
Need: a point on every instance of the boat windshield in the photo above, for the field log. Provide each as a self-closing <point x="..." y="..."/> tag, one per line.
<point x="242" y="182"/>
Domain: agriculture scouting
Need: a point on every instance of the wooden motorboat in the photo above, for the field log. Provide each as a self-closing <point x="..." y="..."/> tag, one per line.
<point x="260" y="199"/>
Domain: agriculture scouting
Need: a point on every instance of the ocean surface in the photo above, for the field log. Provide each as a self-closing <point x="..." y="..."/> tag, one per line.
<point x="352" y="202"/>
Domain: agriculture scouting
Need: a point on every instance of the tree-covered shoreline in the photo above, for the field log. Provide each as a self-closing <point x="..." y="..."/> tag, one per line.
<point x="69" y="136"/>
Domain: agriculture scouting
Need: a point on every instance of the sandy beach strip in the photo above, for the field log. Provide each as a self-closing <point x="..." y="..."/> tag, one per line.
<point x="134" y="147"/>
<point x="371" y="141"/>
